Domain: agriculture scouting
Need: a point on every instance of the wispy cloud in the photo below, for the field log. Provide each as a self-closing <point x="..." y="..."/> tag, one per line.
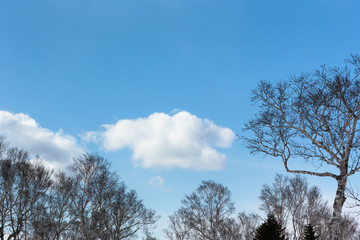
<point x="181" y="140"/>
<point x="157" y="181"/>
<point x="55" y="148"/>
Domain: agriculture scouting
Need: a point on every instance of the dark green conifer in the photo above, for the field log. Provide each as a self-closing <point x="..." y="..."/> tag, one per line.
<point x="270" y="230"/>
<point x="309" y="233"/>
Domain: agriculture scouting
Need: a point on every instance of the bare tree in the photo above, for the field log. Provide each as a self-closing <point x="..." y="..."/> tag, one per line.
<point x="149" y="236"/>
<point x="104" y="207"/>
<point x="90" y="204"/>
<point x="317" y="212"/>
<point x="54" y="215"/>
<point x="129" y="215"/>
<point x="23" y="185"/>
<point x="7" y="179"/>
<point x="295" y="204"/>
<point x="248" y="223"/>
<point x="297" y="192"/>
<point x="353" y="193"/>
<point x="349" y="228"/>
<point x="178" y="228"/>
<point x="275" y="199"/>
<point x="205" y="214"/>
<point x="312" y="117"/>
<point x="89" y="171"/>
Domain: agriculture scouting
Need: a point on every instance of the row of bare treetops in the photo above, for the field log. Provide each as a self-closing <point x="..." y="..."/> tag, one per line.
<point x="90" y="202"/>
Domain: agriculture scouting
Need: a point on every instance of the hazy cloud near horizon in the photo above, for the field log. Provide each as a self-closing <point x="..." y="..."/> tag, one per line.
<point x="55" y="148"/>
<point x="181" y="140"/>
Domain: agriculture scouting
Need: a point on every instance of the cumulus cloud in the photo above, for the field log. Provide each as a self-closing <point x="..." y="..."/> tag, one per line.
<point x="157" y="181"/>
<point x="166" y="141"/>
<point x="56" y="149"/>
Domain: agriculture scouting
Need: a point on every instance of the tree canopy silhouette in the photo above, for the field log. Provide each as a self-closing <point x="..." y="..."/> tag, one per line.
<point x="309" y="233"/>
<point x="91" y="203"/>
<point x="270" y="229"/>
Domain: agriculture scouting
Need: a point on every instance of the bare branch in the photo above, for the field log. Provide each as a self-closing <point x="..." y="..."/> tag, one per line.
<point x="315" y="117"/>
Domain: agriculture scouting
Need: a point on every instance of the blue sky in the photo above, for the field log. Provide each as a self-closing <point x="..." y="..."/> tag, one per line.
<point x="88" y="76"/>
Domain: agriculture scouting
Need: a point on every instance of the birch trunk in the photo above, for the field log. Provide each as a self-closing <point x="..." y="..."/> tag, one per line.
<point x="337" y="209"/>
<point x="313" y="116"/>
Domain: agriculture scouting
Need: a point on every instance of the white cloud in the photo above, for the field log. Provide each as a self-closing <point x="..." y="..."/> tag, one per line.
<point x="157" y="181"/>
<point x="91" y="136"/>
<point x="166" y="141"/>
<point x="56" y="149"/>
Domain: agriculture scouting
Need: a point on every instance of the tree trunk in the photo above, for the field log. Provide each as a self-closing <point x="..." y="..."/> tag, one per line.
<point x="83" y="224"/>
<point x="337" y="209"/>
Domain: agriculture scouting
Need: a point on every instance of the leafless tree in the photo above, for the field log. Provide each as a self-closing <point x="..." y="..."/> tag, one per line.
<point x="275" y="199"/>
<point x="295" y="204"/>
<point x="349" y="227"/>
<point x="90" y="172"/>
<point x="231" y="230"/>
<point x="91" y="203"/>
<point x="317" y="212"/>
<point x="248" y="223"/>
<point x="312" y="117"/>
<point x="7" y="180"/>
<point x="178" y="228"/>
<point x="104" y="207"/>
<point x="297" y="193"/>
<point x="149" y="235"/>
<point x="54" y="215"/>
<point x="23" y="186"/>
<point x="205" y="214"/>
<point x="129" y="215"/>
<point x="353" y="193"/>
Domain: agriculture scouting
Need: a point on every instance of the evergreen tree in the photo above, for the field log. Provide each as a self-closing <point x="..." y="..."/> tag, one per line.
<point x="309" y="233"/>
<point x="270" y="230"/>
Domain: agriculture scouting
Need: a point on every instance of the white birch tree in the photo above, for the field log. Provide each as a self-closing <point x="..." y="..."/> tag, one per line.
<point x="205" y="214"/>
<point x="314" y="117"/>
